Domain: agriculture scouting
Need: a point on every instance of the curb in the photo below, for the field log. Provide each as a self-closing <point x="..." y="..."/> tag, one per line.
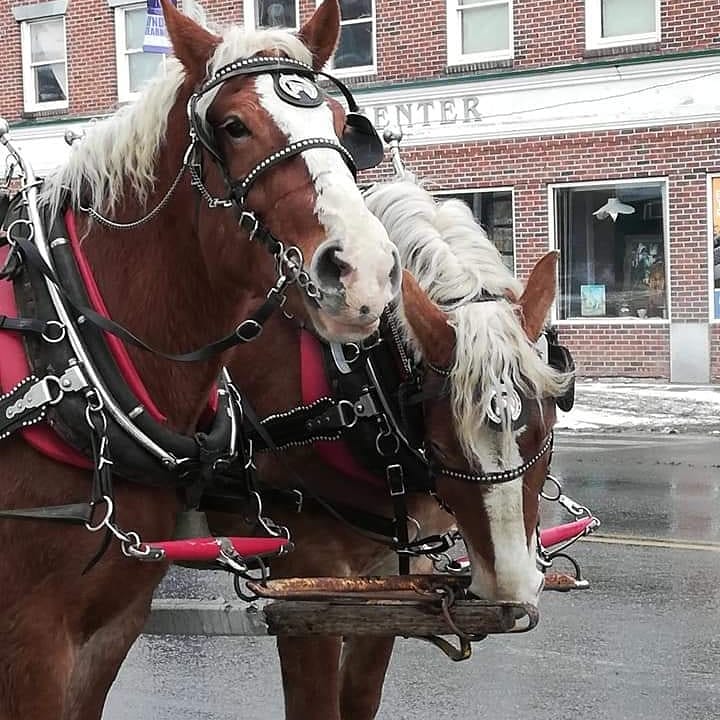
<point x="205" y="617"/>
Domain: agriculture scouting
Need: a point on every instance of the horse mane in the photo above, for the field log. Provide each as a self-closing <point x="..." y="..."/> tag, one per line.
<point x="118" y="156"/>
<point x="450" y="255"/>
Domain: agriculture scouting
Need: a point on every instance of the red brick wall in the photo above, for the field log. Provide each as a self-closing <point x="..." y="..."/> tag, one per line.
<point x="411" y="42"/>
<point x="683" y="156"/>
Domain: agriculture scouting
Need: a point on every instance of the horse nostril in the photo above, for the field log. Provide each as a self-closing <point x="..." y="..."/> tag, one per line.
<point x="328" y="269"/>
<point x="364" y="309"/>
<point x="395" y="273"/>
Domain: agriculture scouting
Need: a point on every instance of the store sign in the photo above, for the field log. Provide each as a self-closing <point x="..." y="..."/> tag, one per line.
<point x="426" y="113"/>
<point x="715" y="209"/>
<point x="156" y="39"/>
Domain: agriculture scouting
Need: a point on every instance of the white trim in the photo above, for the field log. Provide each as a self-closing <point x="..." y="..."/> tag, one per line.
<point x="23" y="13"/>
<point x="553" y="245"/>
<point x="455" y="56"/>
<point x="122" y="63"/>
<point x="29" y="103"/>
<point x="249" y="20"/>
<point x="494" y="189"/>
<point x="711" y="261"/>
<point x="356" y="70"/>
<point x="648" y="94"/>
<point x="593" y="29"/>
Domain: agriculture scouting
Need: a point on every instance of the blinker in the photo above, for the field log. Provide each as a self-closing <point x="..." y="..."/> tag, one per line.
<point x="361" y="140"/>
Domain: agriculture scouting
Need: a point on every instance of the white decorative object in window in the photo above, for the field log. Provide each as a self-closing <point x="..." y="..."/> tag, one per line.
<point x="612" y="238"/>
<point x="44" y="58"/>
<point x="479" y="30"/>
<point x="271" y="14"/>
<point x="134" y="67"/>
<point x="612" y="23"/>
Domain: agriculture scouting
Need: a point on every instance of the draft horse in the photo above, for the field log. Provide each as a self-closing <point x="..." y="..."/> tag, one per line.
<point x="460" y="346"/>
<point x="231" y="178"/>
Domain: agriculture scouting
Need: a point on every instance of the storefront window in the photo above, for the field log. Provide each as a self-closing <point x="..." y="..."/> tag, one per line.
<point x="612" y="250"/>
<point x="715" y="244"/>
<point x="493" y="209"/>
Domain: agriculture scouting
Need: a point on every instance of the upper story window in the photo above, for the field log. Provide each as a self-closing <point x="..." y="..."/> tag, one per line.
<point x="356" y="50"/>
<point x="610" y="23"/>
<point x="44" y="55"/>
<point x="271" y="14"/>
<point x="134" y="66"/>
<point x="479" y="30"/>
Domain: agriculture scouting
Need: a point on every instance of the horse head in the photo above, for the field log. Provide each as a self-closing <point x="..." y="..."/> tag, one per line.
<point x="489" y="413"/>
<point x="268" y="147"/>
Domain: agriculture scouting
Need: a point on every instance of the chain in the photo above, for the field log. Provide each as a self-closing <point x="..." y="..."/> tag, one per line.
<point x="146" y="218"/>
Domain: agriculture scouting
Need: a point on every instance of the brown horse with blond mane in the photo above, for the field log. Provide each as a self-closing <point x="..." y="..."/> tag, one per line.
<point x="469" y="328"/>
<point x="156" y="192"/>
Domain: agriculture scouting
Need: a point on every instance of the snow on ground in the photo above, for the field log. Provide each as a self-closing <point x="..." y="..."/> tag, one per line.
<point x="613" y="405"/>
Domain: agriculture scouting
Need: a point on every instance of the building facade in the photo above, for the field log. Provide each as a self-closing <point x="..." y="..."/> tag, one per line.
<point x="589" y="126"/>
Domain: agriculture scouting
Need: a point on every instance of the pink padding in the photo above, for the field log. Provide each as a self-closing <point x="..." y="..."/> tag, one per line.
<point x="556" y="535"/>
<point x="207" y="549"/>
<point x="127" y="369"/>
<point x="315" y="386"/>
<point x="14" y="368"/>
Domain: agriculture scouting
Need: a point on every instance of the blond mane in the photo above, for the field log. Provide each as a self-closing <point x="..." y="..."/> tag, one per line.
<point x="452" y="259"/>
<point x="118" y="157"/>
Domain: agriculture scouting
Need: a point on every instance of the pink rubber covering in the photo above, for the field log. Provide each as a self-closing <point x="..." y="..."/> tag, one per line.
<point x="315" y="386"/>
<point x="207" y="549"/>
<point x="560" y="533"/>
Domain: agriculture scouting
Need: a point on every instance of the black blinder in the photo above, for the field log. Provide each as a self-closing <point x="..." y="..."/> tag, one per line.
<point x="560" y="358"/>
<point x="362" y="141"/>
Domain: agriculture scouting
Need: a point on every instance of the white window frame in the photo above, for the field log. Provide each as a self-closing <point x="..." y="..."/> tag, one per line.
<point x="358" y="69"/>
<point x="554" y="245"/>
<point x="250" y="21"/>
<point x="711" y="261"/>
<point x="482" y="191"/>
<point x="593" y="29"/>
<point x="27" y="69"/>
<point x="121" y="55"/>
<point x="455" y="55"/>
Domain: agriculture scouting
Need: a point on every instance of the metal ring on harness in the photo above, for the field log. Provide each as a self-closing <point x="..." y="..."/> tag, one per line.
<point x="556" y="496"/>
<point x="61" y="332"/>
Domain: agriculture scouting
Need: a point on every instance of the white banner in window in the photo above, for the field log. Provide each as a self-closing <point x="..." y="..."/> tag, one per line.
<point x="156" y="39"/>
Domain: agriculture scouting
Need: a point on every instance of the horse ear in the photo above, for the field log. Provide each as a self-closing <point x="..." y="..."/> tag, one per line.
<point x="539" y="294"/>
<point x="428" y="323"/>
<point x="321" y="32"/>
<point x="193" y="45"/>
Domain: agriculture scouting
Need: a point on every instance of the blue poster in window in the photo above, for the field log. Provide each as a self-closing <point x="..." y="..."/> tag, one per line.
<point x="156" y="39"/>
<point x="717" y="304"/>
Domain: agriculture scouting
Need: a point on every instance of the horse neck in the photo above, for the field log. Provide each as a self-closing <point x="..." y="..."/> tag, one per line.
<point x="155" y="281"/>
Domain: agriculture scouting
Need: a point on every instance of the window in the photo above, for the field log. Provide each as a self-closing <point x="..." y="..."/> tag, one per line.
<point x="479" y="30"/>
<point x="609" y="23"/>
<point x="271" y="13"/>
<point x="134" y="67"/>
<point x="356" y="51"/>
<point x="493" y="209"/>
<point x="44" y="64"/>
<point x="714" y="231"/>
<point x="612" y="242"/>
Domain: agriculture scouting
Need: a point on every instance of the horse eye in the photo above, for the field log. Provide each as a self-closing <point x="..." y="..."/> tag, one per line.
<point x="235" y="128"/>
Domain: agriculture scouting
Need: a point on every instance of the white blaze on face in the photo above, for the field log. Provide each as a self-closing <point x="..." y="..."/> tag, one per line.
<point x="339" y="205"/>
<point x="515" y="575"/>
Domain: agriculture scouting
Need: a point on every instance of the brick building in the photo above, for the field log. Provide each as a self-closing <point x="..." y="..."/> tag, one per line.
<point x="585" y="125"/>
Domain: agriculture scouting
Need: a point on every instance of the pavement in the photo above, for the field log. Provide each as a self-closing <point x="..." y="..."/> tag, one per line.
<point x="616" y="405"/>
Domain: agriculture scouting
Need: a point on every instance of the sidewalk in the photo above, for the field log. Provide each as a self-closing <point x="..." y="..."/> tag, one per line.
<point x="616" y="404"/>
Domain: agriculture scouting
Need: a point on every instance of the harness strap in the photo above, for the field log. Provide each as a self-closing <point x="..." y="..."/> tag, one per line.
<point x="27" y="326"/>
<point x="77" y="513"/>
<point x="246" y="332"/>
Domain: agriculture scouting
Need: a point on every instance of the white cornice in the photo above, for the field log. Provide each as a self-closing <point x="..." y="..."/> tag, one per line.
<point x="579" y="100"/>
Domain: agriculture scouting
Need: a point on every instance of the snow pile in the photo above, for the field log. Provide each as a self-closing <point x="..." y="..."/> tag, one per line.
<point x="618" y="404"/>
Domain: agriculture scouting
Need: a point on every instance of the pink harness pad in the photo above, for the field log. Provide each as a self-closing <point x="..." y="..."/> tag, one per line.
<point x="14" y="367"/>
<point x="315" y="386"/>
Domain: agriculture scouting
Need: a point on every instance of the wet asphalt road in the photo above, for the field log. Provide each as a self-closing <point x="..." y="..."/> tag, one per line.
<point x="643" y="643"/>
